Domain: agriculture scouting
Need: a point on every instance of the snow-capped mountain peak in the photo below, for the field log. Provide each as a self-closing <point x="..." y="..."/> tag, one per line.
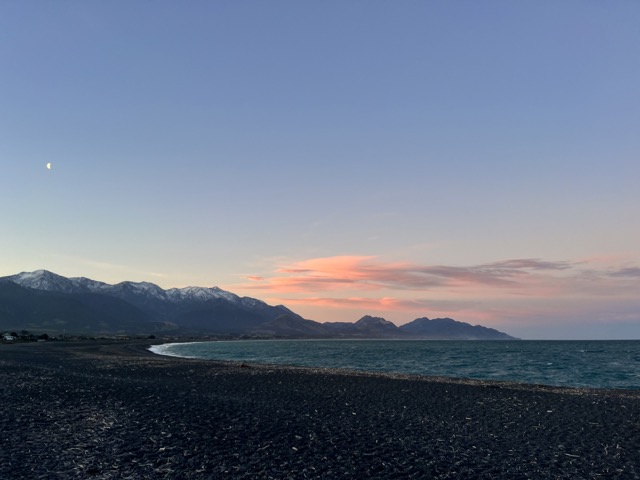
<point x="144" y="289"/>
<point x="202" y="294"/>
<point x="145" y="307"/>
<point x="43" y="280"/>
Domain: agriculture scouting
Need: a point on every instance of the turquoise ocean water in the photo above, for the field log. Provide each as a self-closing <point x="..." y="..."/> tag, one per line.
<point x="598" y="364"/>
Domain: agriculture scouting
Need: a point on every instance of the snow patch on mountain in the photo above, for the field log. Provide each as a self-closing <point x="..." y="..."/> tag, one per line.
<point x="200" y="294"/>
<point x="45" y="280"/>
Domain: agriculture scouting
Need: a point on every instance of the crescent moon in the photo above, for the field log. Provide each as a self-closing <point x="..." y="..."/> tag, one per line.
<point x="49" y="166"/>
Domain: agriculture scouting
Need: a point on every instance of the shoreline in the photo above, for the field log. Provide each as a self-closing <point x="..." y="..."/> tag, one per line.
<point x="577" y="377"/>
<point x="117" y="410"/>
<point x="490" y="383"/>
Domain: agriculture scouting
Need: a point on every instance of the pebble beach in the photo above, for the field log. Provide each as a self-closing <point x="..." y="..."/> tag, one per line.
<point x="114" y="410"/>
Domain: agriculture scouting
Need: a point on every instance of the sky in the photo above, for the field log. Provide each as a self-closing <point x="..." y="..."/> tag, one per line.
<point x="472" y="160"/>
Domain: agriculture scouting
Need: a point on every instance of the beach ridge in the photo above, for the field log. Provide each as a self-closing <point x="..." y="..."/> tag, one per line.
<point x="113" y="409"/>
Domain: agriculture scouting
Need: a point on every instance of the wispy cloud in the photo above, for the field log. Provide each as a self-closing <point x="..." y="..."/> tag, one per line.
<point x="512" y="288"/>
<point x="627" y="272"/>
<point x="383" y="303"/>
<point x="369" y="273"/>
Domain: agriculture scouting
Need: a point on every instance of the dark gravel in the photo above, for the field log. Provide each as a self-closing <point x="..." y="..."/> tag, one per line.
<point x="113" y="410"/>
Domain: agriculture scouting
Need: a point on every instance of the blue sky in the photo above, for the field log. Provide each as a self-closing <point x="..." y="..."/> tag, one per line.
<point x="477" y="160"/>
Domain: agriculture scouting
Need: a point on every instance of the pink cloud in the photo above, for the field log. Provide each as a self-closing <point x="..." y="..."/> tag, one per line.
<point x="377" y="304"/>
<point x="498" y="291"/>
<point x="368" y="273"/>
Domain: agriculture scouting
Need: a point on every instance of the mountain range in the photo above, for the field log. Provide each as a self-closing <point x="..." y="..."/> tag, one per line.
<point x="46" y="302"/>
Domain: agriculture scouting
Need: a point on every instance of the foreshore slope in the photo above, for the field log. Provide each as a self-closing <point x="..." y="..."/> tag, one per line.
<point x="111" y="410"/>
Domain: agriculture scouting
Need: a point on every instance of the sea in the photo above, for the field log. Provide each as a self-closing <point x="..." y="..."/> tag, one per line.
<point x="592" y="364"/>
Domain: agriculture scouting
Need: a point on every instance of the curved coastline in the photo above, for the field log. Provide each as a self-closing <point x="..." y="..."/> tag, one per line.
<point x="558" y="366"/>
<point x="117" y="410"/>
<point x="165" y="349"/>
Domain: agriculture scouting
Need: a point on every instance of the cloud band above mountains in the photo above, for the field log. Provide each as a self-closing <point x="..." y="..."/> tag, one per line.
<point x="496" y="290"/>
<point x="517" y="276"/>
